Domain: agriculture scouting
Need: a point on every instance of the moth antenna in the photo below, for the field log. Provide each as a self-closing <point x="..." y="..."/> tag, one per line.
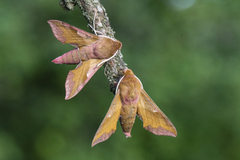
<point x="93" y="27"/>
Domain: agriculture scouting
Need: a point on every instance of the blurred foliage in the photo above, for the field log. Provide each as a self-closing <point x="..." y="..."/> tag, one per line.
<point x="186" y="52"/>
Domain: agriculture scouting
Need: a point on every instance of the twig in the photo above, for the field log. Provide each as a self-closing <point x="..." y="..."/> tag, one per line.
<point x="98" y="22"/>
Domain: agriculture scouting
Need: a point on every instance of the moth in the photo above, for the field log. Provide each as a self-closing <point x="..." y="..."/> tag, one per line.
<point x="131" y="100"/>
<point x="91" y="52"/>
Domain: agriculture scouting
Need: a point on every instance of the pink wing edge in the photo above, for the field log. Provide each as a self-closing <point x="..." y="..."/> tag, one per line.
<point x="57" y="31"/>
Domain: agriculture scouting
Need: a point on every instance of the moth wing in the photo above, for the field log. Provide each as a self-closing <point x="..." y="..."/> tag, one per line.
<point x="154" y="120"/>
<point x="109" y="123"/>
<point x="78" y="77"/>
<point x="71" y="57"/>
<point x="66" y="33"/>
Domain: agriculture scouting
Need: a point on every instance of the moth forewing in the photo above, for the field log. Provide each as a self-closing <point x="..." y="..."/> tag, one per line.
<point x="66" y="33"/>
<point x="109" y="123"/>
<point x="78" y="77"/>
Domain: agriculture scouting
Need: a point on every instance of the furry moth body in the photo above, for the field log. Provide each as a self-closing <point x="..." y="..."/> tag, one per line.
<point x="131" y="100"/>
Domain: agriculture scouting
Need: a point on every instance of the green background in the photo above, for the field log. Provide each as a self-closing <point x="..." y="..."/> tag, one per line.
<point x="185" y="52"/>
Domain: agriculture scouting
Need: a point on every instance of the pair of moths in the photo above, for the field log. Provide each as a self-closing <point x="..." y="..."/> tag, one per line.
<point x="130" y="97"/>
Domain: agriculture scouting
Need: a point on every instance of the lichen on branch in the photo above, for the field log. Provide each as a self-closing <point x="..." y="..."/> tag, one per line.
<point x="98" y="21"/>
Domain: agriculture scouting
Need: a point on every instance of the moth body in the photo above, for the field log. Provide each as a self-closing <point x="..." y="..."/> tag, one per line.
<point x="105" y="48"/>
<point x="130" y="89"/>
<point x="127" y="118"/>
